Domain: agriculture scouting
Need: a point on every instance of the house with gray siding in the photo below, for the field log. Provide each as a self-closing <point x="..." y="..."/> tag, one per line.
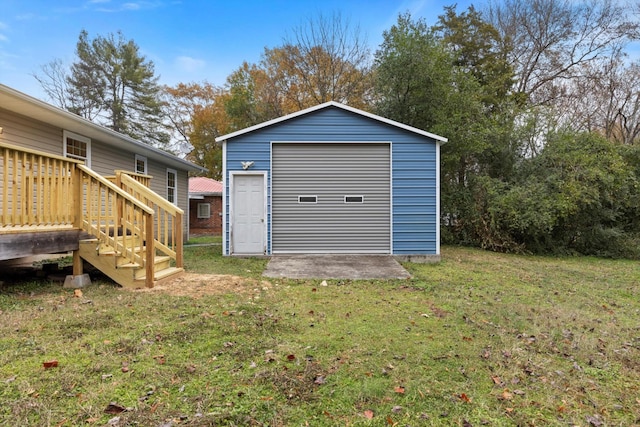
<point x="33" y="124"/>
<point x="332" y="179"/>
<point x="70" y="185"/>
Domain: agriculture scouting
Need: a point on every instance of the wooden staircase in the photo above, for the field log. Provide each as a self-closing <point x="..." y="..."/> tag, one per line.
<point x="121" y="270"/>
<point x="130" y="233"/>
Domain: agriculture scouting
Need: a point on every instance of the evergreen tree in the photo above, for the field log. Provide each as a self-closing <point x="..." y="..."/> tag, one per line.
<point x="112" y="84"/>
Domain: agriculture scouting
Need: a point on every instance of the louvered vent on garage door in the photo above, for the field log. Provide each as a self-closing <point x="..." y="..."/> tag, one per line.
<point x="331" y="198"/>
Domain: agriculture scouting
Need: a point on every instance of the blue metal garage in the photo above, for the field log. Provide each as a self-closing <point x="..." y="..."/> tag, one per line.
<point x="332" y="179"/>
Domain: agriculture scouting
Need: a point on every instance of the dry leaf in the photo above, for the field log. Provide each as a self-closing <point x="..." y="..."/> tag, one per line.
<point x="368" y="414"/>
<point x="77" y="293"/>
<point x="399" y="389"/>
<point x="114" y="408"/>
<point x="464" y="397"/>
<point x="506" y="395"/>
<point x="50" y="364"/>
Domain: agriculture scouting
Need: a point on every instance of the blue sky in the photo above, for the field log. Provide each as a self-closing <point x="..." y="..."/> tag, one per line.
<point x="188" y="40"/>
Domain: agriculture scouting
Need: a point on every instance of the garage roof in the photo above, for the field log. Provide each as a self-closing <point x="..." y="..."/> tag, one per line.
<point x="439" y="138"/>
<point x="21" y="103"/>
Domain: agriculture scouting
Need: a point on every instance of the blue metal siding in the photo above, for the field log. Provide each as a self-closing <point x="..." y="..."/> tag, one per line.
<point x="414" y="169"/>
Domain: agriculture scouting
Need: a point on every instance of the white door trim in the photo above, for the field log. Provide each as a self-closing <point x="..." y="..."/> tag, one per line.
<point x="232" y="174"/>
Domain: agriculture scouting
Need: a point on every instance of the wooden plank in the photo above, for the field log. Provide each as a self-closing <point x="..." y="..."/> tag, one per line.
<point x="24" y="244"/>
<point x="5" y="187"/>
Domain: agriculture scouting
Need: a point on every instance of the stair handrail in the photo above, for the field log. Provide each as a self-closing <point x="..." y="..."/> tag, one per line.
<point x="115" y="188"/>
<point x="168" y="228"/>
<point x="105" y="217"/>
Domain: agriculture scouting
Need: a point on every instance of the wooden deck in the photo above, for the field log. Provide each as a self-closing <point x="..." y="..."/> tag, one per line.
<point x="52" y="204"/>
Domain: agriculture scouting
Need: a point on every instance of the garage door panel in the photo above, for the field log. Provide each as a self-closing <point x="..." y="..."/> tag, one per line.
<point x="330" y="172"/>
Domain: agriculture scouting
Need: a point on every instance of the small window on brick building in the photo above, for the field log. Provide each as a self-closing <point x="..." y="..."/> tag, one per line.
<point x="204" y="210"/>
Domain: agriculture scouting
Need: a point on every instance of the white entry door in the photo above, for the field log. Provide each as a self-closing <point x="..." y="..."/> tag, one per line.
<point x="248" y="215"/>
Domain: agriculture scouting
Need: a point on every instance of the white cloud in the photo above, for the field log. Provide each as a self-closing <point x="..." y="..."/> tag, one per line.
<point x="189" y="64"/>
<point x="131" y="6"/>
<point x="3" y="28"/>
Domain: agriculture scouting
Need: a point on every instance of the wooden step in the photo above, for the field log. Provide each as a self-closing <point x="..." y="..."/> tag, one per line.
<point x="159" y="263"/>
<point x="162" y="276"/>
<point x="124" y="272"/>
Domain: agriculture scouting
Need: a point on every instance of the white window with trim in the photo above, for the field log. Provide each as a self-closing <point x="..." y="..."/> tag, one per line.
<point x="204" y="210"/>
<point x="77" y="147"/>
<point x="141" y="164"/>
<point x="172" y="186"/>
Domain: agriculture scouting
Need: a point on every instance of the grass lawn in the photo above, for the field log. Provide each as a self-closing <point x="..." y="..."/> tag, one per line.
<point x="479" y="339"/>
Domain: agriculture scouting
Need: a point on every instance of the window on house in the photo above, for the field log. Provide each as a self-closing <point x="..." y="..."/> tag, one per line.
<point x="172" y="186"/>
<point x="354" y="199"/>
<point x="204" y="210"/>
<point x="307" y="199"/>
<point x="77" y="147"/>
<point x="141" y="164"/>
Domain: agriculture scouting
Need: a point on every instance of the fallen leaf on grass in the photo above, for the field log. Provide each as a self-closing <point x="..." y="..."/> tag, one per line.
<point x="390" y="421"/>
<point x="496" y="380"/>
<point x="114" y="408"/>
<point x="506" y="395"/>
<point x="464" y="398"/>
<point x="399" y="389"/>
<point x="368" y="414"/>
<point x="50" y="364"/>
<point x="594" y="421"/>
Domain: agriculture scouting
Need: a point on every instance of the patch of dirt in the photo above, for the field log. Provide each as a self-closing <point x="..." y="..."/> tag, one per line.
<point x="199" y="285"/>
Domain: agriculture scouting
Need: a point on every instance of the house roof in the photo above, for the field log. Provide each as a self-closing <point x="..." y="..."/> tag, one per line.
<point x="329" y="104"/>
<point x="201" y="185"/>
<point x="21" y="103"/>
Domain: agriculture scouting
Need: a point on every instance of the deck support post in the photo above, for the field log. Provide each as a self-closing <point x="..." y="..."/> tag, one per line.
<point x="77" y="281"/>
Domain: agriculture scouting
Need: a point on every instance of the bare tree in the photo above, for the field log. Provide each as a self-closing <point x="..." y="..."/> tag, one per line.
<point x="607" y="102"/>
<point x="552" y="40"/>
<point x="330" y="60"/>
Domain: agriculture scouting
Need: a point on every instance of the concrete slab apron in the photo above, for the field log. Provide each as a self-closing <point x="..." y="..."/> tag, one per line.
<point x="335" y="267"/>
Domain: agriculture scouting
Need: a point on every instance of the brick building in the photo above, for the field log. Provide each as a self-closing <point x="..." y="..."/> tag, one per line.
<point x="205" y="207"/>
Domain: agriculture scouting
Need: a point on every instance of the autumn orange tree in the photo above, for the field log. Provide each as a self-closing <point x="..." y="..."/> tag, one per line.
<point x="324" y="60"/>
<point x="197" y="115"/>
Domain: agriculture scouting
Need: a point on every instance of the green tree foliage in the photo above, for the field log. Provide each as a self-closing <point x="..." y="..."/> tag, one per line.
<point x="581" y="195"/>
<point x="112" y="84"/>
<point x="424" y="80"/>
<point x="480" y="49"/>
<point x="253" y="98"/>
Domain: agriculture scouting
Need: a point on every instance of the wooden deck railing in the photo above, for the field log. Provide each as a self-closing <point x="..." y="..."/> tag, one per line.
<point x="168" y="217"/>
<point x="41" y="192"/>
<point x="35" y="191"/>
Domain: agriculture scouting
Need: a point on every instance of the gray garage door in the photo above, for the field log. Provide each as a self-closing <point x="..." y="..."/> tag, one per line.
<point x="331" y="198"/>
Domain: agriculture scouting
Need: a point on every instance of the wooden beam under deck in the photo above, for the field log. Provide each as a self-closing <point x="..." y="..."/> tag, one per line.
<point x="18" y="245"/>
